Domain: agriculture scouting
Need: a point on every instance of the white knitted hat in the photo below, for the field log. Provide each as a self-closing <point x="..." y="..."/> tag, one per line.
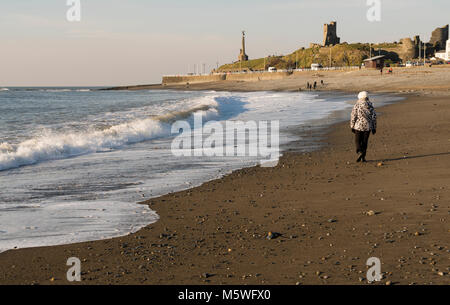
<point x="363" y="95"/>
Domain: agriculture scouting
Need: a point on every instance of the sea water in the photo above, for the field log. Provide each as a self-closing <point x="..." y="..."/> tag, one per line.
<point x="74" y="162"/>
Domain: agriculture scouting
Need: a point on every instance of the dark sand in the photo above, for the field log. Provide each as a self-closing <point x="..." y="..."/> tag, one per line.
<point x="216" y="233"/>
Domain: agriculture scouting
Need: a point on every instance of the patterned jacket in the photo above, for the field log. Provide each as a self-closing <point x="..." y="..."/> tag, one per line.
<point x="364" y="117"/>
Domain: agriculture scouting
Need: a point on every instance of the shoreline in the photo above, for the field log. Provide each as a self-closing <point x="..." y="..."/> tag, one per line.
<point x="179" y="249"/>
<point x="308" y="138"/>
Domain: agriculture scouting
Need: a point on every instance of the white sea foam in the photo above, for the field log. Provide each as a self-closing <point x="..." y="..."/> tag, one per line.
<point x="82" y="221"/>
<point x="56" y="90"/>
<point x="6" y="148"/>
<point x="53" y="145"/>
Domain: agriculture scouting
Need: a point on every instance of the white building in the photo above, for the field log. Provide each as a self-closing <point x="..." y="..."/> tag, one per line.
<point x="316" y="67"/>
<point x="444" y="55"/>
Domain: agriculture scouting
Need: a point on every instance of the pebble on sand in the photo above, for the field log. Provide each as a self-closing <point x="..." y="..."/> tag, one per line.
<point x="370" y="213"/>
<point x="272" y="235"/>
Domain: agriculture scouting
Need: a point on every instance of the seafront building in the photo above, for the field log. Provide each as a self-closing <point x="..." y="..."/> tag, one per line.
<point x="444" y="55"/>
<point x="376" y="62"/>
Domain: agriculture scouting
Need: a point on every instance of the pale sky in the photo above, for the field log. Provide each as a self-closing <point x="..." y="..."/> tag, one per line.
<point x="124" y="42"/>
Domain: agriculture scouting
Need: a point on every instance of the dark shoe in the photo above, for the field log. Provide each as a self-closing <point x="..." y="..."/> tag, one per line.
<point x="364" y="160"/>
<point x="359" y="159"/>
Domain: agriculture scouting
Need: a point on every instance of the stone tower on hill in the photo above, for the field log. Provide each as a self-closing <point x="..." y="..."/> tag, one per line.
<point x="330" y="34"/>
<point x="409" y="49"/>
<point x="439" y="38"/>
<point x="242" y="55"/>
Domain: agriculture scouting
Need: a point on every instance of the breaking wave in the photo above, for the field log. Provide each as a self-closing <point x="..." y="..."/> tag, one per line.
<point x="50" y="145"/>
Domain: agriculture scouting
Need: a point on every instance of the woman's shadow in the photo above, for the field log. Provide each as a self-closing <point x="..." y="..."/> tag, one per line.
<point x="410" y="157"/>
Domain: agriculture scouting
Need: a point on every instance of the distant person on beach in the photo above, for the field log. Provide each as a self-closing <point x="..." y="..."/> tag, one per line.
<point x="315" y="85"/>
<point x="363" y="121"/>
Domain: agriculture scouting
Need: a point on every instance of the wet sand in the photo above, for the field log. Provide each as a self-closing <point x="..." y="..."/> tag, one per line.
<point x="332" y="214"/>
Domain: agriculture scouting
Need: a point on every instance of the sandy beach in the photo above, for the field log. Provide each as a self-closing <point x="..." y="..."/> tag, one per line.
<point x="332" y="214"/>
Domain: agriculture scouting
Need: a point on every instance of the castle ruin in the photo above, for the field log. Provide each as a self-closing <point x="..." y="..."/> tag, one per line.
<point x="409" y="49"/>
<point x="242" y="55"/>
<point x="330" y="34"/>
<point x="414" y="48"/>
<point x="439" y="38"/>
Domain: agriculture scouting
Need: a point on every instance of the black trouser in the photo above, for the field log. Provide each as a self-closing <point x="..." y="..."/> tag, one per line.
<point x="362" y="140"/>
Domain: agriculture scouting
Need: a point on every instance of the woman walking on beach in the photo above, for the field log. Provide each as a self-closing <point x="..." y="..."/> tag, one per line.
<point x="363" y="121"/>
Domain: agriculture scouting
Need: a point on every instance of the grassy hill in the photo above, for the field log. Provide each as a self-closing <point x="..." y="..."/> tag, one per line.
<point x="341" y="55"/>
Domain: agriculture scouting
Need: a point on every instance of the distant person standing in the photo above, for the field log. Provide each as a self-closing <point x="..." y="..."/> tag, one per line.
<point x="315" y="85"/>
<point x="363" y="121"/>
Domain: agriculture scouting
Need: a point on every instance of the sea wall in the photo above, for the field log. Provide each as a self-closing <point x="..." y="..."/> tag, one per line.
<point x="245" y="77"/>
<point x="254" y="77"/>
<point x="192" y="79"/>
